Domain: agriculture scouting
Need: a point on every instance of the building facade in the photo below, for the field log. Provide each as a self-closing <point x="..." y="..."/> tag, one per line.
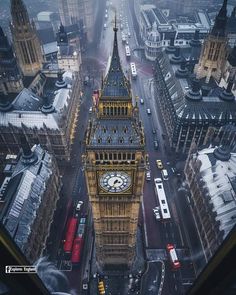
<point x="25" y="40"/>
<point x="115" y="167"/>
<point x="190" y="106"/>
<point x="68" y="55"/>
<point x="30" y="200"/>
<point x="211" y="176"/>
<point x="85" y="11"/>
<point x="45" y="112"/>
<point x="214" y="50"/>
<point x="10" y="74"/>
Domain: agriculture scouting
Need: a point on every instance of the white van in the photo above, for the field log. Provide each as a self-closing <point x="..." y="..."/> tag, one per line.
<point x="164" y="174"/>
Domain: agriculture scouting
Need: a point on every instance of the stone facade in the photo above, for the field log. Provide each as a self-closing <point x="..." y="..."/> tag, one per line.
<point x="26" y="43"/>
<point x="115" y="168"/>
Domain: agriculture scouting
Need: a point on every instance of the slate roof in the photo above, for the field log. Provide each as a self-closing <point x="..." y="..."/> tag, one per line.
<point x="25" y="193"/>
<point x="219" y="178"/>
<point x="209" y="107"/>
<point x="110" y="134"/>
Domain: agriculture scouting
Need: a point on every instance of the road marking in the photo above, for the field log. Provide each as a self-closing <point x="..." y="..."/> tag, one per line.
<point x="145" y="227"/>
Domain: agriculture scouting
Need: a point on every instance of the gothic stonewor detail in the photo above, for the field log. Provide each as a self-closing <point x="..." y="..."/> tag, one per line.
<point x="115" y="167"/>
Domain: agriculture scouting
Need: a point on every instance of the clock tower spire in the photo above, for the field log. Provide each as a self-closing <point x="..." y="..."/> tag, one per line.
<point x="115" y="167"/>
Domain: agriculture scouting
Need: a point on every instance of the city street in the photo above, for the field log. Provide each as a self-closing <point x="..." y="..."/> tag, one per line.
<point x="156" y="234"/>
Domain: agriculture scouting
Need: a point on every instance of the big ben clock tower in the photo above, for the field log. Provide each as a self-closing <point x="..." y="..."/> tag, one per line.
<point x="115" y="167"/>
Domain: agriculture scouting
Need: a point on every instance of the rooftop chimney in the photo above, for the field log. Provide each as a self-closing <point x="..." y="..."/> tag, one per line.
<point x="222" y="153"/>
<point x="28" y="157"/>
<point x="5" y="105"/>
<point x="47" y="107"/>
<point x="194" y="93"/>
<point x="171" y="47"/>
<point x="176" y="58"/>
<point x="182" y="72"/>
<point x="60" y="83"/>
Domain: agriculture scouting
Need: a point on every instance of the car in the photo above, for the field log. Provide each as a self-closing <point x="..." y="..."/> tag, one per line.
<point x="78" y="206"/>
<point x="90" y="110"/>
<point x="148" y="111"/>
<point x="173" y="170"/>
<point x="127" y="42"/>
<point x="105" y="26"/>
<point x="156" y="145"/>
<point x="154" y="131"/>
<point x="148" y="175"/>
<point x="159" y="164"/>
<point x="129" y="35"/>
<point x="156" y="212"/>
<point x="141" y="101"/>
<point x="164" y="174"/>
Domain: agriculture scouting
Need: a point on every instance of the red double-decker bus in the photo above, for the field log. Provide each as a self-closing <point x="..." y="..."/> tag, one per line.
<point x="175" y="264"/>
<point x="78" y="243"/>
<point x="70" y="234"/>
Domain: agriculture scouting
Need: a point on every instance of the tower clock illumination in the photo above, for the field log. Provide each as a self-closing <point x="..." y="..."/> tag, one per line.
<point x="115" y="181"/>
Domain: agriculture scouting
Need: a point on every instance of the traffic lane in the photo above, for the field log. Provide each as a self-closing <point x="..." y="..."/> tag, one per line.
<point x="151" y="278"/>
<point x="152" y="225"/>
<point x="193" y="238"/>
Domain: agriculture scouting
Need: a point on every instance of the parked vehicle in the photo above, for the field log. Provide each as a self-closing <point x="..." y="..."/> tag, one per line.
<point x="148" y="111"/>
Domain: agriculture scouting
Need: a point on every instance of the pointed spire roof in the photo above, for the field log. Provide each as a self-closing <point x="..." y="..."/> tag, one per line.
<point x="19" y="13"/>
<point x="220" y="21"/>
<point x="115" y="83"/>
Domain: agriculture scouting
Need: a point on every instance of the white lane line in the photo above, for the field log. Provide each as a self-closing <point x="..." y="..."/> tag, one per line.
<point x="145" y="227"/>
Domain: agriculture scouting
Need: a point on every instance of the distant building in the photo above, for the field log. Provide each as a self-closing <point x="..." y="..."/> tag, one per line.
<point x="25" y="40"/>
<point x="153" y="43"/>
<point x="190" y="106"/>
<point x="45" y="112"/>
<point x="182" y="32"/>
<point x="31" y="195"/>
<point x="180" y="27"/>
<point x="69" y="55"/>
<point x="10" y="74"/>
<point x="85" y="11"/>
<point x="211" y="176"/>
<point x="214" y="50"/>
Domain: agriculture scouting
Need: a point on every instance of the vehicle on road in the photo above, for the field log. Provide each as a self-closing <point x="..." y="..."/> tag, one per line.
<point x="127" y="42"/>
<point x="78" y="243"/>
<point x="123" y="37"/>
<point x="90" y="110"/>
<point x="154" y="131"/>
<point x="156" y="212"/>
<point x="159" y="164"/>
<point x="160" y="193"/>
<point x="127" y="52"/>
<point x="148" y="175"/>
<point x="105" y="26"/>
<point x="133" y="70"/>
<point x="70" y="234"/>
<point x="78" y="206"/>
<point x="156" y="145"/>
<point x="129" y="35"/>
<point x="164" y="174"/>
<point x="148" y="111"/>
<point x="175" y="264"/>
<point x="106" y="16"/>
<point x="141" y="101"/>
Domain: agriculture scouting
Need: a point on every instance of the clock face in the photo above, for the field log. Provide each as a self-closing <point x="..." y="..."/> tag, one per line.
<point x="115" y="181"/>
